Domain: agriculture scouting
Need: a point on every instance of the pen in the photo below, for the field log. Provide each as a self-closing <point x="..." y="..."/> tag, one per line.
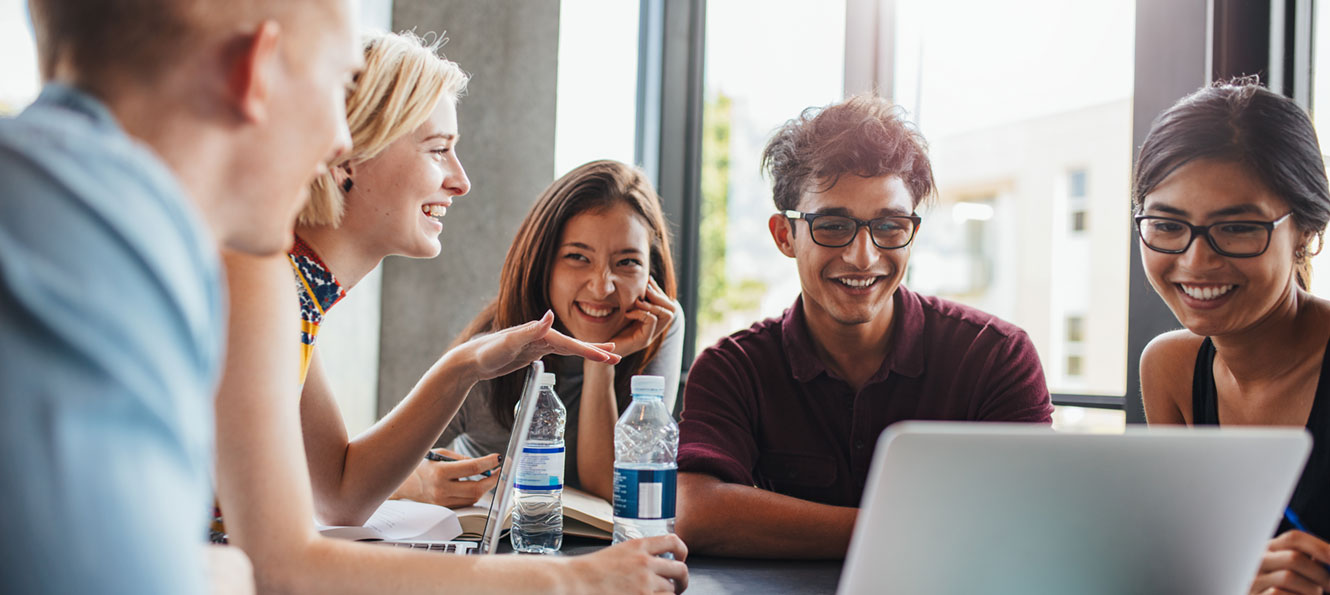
<point x="434" y="456"/>
<point x="1292" y="518"/>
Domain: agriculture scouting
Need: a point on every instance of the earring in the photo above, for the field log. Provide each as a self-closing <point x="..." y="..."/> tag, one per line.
<point x="346" y="186"/>
<point x="1300" y="255"/>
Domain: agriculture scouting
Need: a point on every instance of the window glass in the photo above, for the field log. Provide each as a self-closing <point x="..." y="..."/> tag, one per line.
<point x="1320" y="110"/>
<point x="1042" y="139"/>
<point x="18" y="58"/>
<point x="596" y="106"/>
<point x="762" y="68"/>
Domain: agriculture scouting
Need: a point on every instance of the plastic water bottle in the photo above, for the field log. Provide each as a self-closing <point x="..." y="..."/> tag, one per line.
<point x="646" y="444"/>
<point x="538" y="493"/>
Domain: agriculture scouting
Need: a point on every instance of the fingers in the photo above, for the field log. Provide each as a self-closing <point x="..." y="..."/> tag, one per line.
<point x="557" y="342"/>
<point x="468" y="467"/>
<point x="448" y="453"/>
<point x="1293" y="564"/>
<point x="1292" y="571"/>
<point x="1302" y="542"/>
<point x="1285" y="581"/>
<point x="665" y="544"/>
<point x="673" y="570"/>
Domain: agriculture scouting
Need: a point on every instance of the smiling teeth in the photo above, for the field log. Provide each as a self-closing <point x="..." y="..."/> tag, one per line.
<point x="596" y="312"/>
<point x="434" y="210"/>
<point x="1206" y="293"/>
<point x="858" y="282"/>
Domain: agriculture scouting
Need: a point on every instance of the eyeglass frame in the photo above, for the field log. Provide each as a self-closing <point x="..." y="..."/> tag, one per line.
<point x="859" y="224"/>
<point x="1204" y="230"/>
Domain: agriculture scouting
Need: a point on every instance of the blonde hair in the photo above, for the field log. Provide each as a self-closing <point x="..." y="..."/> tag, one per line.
<point x="403" y="81"/>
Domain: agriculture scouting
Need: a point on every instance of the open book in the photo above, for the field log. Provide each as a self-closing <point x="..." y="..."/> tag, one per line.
<point x="404" y="520"/>
<point x="583" y="514"/>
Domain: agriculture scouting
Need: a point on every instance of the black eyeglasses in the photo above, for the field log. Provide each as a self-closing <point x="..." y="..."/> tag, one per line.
<point x="835" y="231"/>
<point x="1234" y="239"/>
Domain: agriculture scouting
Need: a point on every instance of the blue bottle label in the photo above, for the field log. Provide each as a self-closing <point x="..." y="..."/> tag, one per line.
<point x="644" y="493"/>
<point x="540" y="468"/>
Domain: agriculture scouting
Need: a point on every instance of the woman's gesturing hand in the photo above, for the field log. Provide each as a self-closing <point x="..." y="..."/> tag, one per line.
<point x="501" y="352"/>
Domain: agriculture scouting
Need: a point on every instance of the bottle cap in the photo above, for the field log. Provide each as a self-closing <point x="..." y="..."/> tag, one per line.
<point x="645" y="385"/>
<point x="546" y="379"/>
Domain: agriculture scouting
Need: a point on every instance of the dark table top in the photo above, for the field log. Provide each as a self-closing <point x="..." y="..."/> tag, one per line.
<point x="711" y="575"/>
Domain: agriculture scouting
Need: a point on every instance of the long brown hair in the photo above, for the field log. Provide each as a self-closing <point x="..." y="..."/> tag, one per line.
<point x="525" y="279"/>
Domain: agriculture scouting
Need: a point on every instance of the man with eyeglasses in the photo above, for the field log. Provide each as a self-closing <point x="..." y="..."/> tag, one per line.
<point x="780" y="420"/>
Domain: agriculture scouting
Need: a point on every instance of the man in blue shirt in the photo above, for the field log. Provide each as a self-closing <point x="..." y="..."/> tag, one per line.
<point x="167" y="128"/>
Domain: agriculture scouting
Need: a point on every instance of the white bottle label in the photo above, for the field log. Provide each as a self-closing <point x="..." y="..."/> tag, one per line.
<point x="540" y="468"/>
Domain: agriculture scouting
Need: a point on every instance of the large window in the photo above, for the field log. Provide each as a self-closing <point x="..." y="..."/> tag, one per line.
<point x="1040" y="139"/>
<point x="595" y="112"/>
<point x="762" y="68"/>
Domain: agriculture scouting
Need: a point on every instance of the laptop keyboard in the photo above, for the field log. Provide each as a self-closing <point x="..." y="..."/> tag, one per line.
<point x="449" y="547"/>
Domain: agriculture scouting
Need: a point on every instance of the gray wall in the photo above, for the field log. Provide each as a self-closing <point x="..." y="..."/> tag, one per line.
<point x="506" y="121"/>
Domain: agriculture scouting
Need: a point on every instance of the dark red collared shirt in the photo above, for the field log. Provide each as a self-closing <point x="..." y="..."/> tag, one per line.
<point x="760" y="408"/>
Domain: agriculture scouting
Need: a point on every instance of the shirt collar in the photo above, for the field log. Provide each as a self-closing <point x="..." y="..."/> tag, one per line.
<point x="905" y="357"/>
<point x="63" y="96"/>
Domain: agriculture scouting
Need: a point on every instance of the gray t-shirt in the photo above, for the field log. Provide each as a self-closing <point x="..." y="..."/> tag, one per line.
<point x="474" y="432"/>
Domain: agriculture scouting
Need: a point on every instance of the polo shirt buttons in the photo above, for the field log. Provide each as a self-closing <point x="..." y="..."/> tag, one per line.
<point x="859" y="445"/>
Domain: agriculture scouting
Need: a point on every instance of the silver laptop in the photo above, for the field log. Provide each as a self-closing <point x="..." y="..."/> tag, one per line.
<point x="503" y="494"/>
<point x="1005" y="508"/>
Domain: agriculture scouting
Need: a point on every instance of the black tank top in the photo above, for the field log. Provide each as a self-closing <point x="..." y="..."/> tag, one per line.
<point x="1311" y="498"/>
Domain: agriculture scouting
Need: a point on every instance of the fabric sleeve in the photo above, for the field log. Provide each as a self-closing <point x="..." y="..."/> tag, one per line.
<point x="107" y="400"/>
<point x="1013" y="385"/>
<point x="669" y="360"/>
<point x="719" y="416"/>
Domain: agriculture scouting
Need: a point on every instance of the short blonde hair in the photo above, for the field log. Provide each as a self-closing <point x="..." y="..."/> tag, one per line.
<point x="403" y="81"/>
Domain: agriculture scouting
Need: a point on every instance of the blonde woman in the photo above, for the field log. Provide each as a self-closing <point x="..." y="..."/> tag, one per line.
<point x="386" y="197"/>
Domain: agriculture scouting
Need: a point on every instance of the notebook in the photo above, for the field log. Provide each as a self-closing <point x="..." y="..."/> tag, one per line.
<point x="584" y="515"/>
<point x="1010" y="508"/>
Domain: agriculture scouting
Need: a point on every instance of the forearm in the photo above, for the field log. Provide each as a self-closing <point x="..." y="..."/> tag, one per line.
<point x="595" y="436"/>
<point x="383" y="457"/>
<point x="334" y="566"/>
<point x="726" y="519"/>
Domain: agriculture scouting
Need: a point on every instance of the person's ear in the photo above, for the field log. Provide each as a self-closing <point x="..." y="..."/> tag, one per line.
<point x="251" y="70"/>
<point x="341" y="175"/>
<point x="783" y="233"/>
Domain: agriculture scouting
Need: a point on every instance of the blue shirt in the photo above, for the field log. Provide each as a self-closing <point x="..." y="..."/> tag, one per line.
<point x="110" y="297"/>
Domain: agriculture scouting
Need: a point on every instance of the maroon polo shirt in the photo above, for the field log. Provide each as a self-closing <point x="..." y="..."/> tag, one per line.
<point x="760" y="408"/>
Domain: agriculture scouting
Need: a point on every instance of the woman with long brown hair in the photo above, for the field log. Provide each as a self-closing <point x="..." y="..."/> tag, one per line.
<point x="595" y="250"/>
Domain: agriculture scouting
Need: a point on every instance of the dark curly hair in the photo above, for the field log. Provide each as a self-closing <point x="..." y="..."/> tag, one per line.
<point x="864" y="136"/>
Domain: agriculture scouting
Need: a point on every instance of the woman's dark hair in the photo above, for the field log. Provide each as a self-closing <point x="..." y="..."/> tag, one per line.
<point x="1240" y="121"/>
<point x="524" y="281"/>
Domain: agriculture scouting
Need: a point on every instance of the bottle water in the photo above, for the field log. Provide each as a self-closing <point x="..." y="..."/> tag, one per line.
<point x="646" y="444"/>
<point x="538" y="489"/>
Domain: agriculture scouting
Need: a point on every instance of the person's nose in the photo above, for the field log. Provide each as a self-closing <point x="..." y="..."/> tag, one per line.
<point x="1200" y="255"/>
<point x="456" y="182"/>
<point x="862" y="253"/>
<point x="601" y="284"/>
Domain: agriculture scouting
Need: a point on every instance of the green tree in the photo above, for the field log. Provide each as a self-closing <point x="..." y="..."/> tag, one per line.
<point x="718" y="293"/>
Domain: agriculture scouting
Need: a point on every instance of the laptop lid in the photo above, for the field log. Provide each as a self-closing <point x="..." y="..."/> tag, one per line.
<point x="503" y="493"/>
<point x="1007" y="508"/>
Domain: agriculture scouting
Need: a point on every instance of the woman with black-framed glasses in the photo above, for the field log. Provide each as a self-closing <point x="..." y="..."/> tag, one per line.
<point x="1231" y="201"/>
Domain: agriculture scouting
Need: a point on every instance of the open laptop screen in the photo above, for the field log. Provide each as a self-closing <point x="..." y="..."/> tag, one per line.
<point x="503" y="494"/>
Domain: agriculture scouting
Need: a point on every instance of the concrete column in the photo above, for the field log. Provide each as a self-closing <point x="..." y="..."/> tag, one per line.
<point x="506" y="121"/>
